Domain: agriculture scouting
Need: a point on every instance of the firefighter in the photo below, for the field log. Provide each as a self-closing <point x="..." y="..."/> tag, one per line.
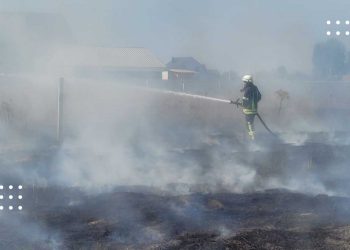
<point x="250" y="99"/>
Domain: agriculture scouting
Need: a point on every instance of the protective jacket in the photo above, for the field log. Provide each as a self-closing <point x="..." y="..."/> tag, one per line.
<point x="251" y="97"/>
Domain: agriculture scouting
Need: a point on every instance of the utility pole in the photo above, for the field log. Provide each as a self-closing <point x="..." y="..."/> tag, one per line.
<point x="183" y="84"/>
<point x="60" y="110"/>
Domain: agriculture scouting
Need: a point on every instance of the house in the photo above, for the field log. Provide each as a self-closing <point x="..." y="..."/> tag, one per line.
<point x="187" y="74"/>
<point x="188" y="68"/>
<point x="186" y="63"/>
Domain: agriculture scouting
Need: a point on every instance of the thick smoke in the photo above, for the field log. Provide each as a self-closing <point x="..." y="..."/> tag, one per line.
<point x="117" y="135"/>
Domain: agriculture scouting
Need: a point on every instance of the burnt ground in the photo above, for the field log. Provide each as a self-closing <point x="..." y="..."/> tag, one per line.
<point x="272" y="219"/>
<point x="199" y="217"/>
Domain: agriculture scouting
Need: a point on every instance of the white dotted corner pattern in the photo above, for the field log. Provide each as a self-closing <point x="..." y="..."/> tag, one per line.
<point x="338" y="27"/>
<point x="14" y="196"/>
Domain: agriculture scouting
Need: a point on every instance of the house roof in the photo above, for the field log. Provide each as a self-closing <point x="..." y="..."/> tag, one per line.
<point x="122" y="58"/>
<point x="186" y="63"/>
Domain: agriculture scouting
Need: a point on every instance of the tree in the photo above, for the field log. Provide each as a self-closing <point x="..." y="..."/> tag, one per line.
<point x="283" y="95"/>
<point x="329" y="59"/>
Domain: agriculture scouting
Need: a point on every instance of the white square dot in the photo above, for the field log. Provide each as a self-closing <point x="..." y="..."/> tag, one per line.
<point x="347" y="22"/>
<point x="337" y="22"/>
<point x="10" y="187"/>
<point x="1" y="187"/>
<point x="328" y="22"/>
<point x="1" y="207"/>
<point x="20" y="187"/>
<point x="20" y="197"/>
<point x="10" y="207"/>
<point x="20" y="207"/>
<point x="329" y="33"/>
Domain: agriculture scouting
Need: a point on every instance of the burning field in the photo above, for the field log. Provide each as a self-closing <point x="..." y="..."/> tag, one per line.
<point x="144" y="170"/>
<point x="250" y="208"/>
<point x="135" y="219"/>
<point x="121" y="125"/>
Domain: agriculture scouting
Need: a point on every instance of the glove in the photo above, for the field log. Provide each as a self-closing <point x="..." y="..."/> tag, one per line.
<point x="237" y="102"/>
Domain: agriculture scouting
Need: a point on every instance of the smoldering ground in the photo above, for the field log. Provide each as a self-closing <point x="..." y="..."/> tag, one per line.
<point x="147" y="155"/>
<point x="115" y="134"/>
<point x="135" y="167"/>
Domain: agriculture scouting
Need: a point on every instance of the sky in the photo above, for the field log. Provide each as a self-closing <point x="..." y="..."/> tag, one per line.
<point x="240" y="35"/>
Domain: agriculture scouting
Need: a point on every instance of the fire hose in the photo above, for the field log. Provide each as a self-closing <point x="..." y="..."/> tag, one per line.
<point x="239" y="104"/>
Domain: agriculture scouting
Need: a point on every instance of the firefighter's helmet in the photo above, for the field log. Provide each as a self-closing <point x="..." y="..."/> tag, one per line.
<point x="247" y="78"/>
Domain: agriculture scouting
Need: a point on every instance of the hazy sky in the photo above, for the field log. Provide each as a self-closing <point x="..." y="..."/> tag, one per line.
<point x="245" y="35"/>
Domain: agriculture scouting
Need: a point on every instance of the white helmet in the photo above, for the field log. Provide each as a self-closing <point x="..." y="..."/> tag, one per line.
<point x="247" y="78"/>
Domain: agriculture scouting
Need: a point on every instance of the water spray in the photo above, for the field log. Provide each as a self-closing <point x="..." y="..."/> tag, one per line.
<point x="237" y="103"/>
<point x="190" y="95"/>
